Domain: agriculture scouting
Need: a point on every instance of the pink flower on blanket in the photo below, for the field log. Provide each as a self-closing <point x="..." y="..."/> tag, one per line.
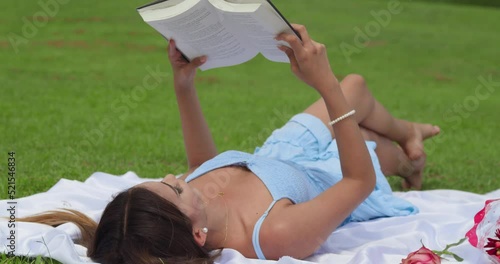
<point x="493" y="245"/>
<point x="422" y="256"/>
<point x="427" y="256"/>
<point x="485" y="234"/>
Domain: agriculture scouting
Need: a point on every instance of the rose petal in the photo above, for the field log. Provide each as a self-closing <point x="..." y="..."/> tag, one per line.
<point x="422" y="256"/>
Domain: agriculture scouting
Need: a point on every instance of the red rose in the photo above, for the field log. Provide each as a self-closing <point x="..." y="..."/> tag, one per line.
<point x="422" y="256"/>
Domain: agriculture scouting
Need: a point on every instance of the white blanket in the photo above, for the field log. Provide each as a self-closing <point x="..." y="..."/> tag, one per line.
<point x="445" y="216"/>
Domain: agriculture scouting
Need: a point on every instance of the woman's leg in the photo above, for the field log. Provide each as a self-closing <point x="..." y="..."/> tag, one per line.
<point x="394" y="161"/>
<point x="373" y="116"/>
<point x="378" y="125"/>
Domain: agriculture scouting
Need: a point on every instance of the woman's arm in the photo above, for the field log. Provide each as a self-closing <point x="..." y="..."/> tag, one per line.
<point x="198" y="140"/>
<point x="298" y="230"/>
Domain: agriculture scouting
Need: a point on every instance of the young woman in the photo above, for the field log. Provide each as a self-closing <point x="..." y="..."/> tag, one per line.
<point x="323" y="169"/>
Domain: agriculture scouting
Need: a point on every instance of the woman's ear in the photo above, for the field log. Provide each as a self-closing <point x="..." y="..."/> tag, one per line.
<point x="199" y="236"/>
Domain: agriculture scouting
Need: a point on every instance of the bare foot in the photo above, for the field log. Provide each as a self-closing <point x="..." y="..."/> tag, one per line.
<point x="412" y="174"/>
<point x="413" y="145"/>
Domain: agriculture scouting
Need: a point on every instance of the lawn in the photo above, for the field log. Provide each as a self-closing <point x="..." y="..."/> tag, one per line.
<point x="71" y="102"/>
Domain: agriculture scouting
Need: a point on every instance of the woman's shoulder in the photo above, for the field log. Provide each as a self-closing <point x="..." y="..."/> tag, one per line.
<point x="243" y="229"/>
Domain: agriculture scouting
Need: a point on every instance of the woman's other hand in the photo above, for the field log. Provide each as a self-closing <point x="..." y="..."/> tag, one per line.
<point x="184" y="72"/>
<point x="308" y="59"/>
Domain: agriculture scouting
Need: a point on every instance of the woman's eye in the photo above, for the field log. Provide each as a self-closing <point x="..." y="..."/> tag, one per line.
<point x="178" y="188"/>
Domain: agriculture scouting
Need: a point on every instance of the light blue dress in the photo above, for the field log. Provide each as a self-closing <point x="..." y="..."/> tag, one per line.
<point x="298" y="162"/>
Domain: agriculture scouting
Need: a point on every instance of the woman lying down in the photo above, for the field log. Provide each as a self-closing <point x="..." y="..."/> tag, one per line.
<point x="321" y="170"/>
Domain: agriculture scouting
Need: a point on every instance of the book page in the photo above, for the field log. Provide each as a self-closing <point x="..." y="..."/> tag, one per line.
<point x="251" y="2"/>
<point x="199" y="31"/>
<point x="166" y="9"/>
<point x="259" y="24"/>
<point x="160" y="5"/>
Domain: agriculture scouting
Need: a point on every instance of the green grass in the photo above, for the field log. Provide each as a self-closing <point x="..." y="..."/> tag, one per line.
<point x="24" y="260"/>
<point x="492" y="3"/>
<point x="68" y="79"/>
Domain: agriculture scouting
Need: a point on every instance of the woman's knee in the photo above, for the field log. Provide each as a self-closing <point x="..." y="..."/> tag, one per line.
<point x="354" y="80"/>
<point x="356" y="92"/>
<point x="354" y="85"/>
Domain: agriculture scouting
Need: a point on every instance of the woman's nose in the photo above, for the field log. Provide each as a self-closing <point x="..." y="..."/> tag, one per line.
<point x="169" y="177"/>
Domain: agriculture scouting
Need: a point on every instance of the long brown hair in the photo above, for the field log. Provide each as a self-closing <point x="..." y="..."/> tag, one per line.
<point x="137" y="227"/>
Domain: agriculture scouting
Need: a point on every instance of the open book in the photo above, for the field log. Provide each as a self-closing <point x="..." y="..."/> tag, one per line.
<point x="228" y="32"/>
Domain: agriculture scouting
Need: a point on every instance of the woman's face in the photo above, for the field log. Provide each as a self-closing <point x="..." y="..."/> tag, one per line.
<point x="178" y="192"/>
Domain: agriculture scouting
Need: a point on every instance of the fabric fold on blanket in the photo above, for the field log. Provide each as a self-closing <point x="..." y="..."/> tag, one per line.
<point x="445" y="216"/>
